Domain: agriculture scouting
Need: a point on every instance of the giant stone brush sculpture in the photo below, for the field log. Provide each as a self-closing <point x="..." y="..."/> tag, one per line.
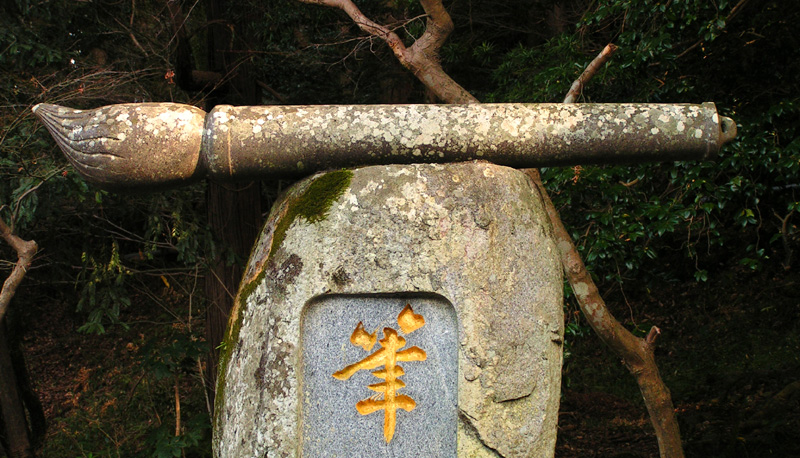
<point x="158" y="145"/>
<point x="460" y="256"/>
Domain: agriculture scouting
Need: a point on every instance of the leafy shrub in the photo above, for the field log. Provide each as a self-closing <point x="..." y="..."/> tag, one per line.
<point x="623" y="217"/>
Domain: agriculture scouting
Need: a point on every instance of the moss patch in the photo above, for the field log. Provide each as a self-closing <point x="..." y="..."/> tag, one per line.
<point x="313" y="205"/>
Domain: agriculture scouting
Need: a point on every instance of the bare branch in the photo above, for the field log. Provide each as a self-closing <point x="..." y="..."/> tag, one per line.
<point x="366" y="24"/>
<point x="577" y="87"/>
<point x="637" y="354"/>
<point x="280" y="98"/>
<point x="437" y="29"/>
<point x="131" y="35"/>
<point x="652" y="336"/>
<point x="422" y="58"/>
<point x="25" y="249"/>
<point x="787" y="247"/>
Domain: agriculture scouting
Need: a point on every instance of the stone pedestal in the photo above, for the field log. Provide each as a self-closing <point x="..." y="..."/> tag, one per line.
<point x="397" y="311"/>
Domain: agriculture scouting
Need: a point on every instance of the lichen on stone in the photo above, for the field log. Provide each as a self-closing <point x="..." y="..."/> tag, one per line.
<point x="312" y="205"/>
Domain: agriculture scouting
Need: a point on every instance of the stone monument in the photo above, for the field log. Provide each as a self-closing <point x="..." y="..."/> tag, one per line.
<point x="397" y="311"/>
<point x="387" y="310"/>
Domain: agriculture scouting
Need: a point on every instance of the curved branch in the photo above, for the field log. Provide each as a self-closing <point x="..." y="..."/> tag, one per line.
<point x="422" y="58"/>
<point x="437" y="29"/>
<point x="366" y="24"/>
<point x="637" y="354"/>
<point x="26" y="249"/>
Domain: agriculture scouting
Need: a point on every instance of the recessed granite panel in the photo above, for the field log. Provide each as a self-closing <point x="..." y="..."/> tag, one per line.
<point x="427" y="366"/>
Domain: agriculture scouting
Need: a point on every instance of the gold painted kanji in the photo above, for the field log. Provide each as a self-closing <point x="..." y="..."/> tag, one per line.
<point x="387" y="356"/>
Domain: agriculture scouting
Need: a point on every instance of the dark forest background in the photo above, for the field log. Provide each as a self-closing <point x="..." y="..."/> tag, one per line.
<point x="112" y="333"/>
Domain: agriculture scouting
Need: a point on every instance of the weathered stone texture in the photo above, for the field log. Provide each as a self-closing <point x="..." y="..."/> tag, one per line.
<point x="138" y="145"/>
<point x="130" y="146"/>
<point x="430" y="429"/>
<point x="473" y="235"/>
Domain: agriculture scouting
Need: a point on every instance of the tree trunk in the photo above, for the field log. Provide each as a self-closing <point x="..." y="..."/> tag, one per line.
<point x="234" y="211"/>
<point x="15" y="424"/>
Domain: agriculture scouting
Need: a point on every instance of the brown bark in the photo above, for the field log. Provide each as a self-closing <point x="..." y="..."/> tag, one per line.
<point x="421" y="58"/>
<point x="26" y="249"/>
<point x="636" y="353"/>
<point x="577" y="86"/>
<point x="14" y="422"/>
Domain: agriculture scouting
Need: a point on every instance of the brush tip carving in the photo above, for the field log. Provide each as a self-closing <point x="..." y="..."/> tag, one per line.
<point x="129" y="146"/>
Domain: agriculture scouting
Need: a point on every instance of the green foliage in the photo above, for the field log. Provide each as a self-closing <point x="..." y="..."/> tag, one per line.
<point x="172" y="360"/>
<point x="169" y="363"/>
<point x="100" y="252"/>
<point x="29" y="43"/>
<point x="103" y="294"/>
<point x="539" y="74"/>
<point x="163" y="443"/>
<point x="628" y="220"/>
<point x="625" y="217"/>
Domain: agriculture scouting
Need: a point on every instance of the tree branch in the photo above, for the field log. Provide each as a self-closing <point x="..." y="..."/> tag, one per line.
<point x="188" y="78"/>
<point x="437" y="29"/>
<point x="422" y="58"/>
<point x="26" y="249"/>
<point x="637" y="354"/>
<point x="366" y="24"/>
<point x="577" y="87"/>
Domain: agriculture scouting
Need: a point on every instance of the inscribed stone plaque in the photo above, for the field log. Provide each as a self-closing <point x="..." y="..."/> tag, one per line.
<point x="342" y="331"/>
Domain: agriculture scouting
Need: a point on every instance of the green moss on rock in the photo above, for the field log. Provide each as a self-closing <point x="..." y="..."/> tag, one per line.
<point x="312" y="205"/>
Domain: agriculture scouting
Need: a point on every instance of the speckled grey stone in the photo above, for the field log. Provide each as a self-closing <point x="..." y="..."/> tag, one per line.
<point x="145" y="145"/>
<point x="473" y="239"/>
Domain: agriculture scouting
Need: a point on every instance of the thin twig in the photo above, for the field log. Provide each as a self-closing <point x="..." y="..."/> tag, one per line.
<point x="577" y="87"/>
<point x="787" y="247"/>
<point x="734" y="12"/>
<point x="280" y="98"/>
<point x="177" y="408"/>
<point x="421" y="58"/>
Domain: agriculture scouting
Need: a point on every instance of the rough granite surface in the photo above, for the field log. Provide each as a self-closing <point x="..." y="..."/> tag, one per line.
<point x="427" y="430"/>
<point x="471" y="238"/>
